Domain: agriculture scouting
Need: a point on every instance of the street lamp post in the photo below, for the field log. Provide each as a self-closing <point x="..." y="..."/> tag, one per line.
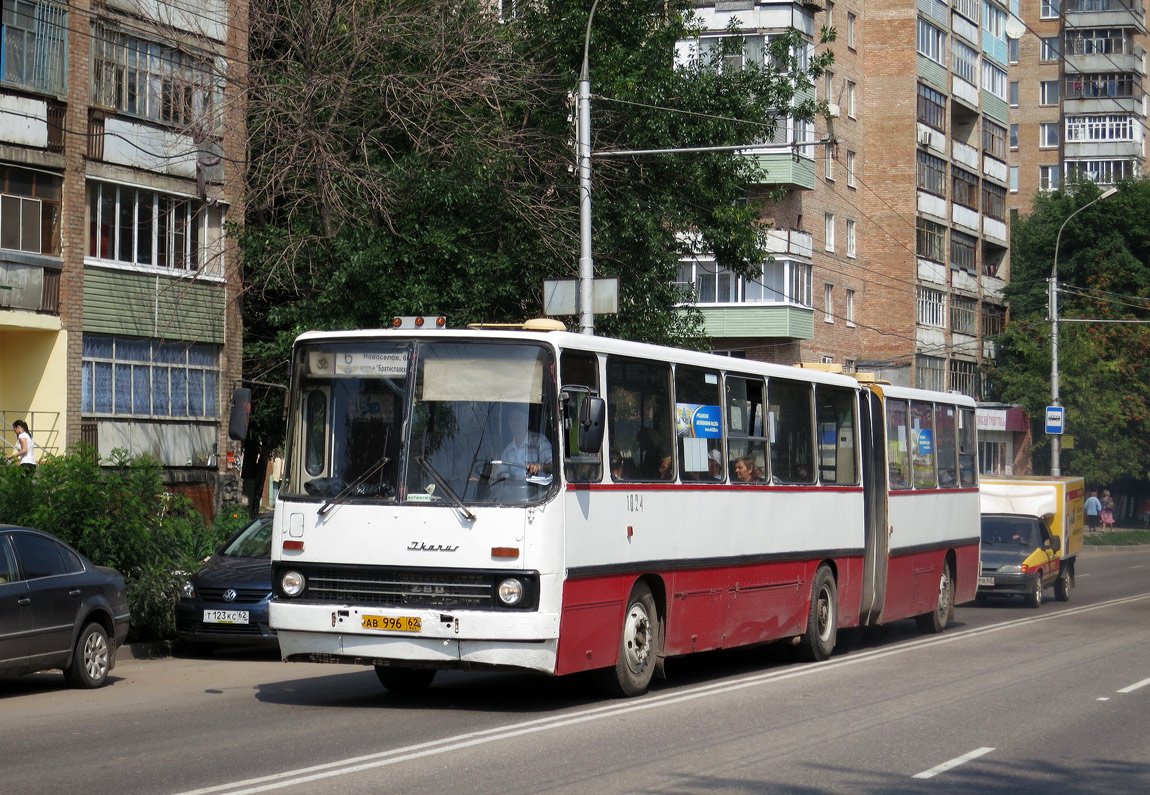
<point x="583" y="152"/>
<point x="1056" y="439"/>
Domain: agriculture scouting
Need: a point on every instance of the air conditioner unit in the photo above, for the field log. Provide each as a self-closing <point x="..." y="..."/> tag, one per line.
<point x="833" y="110"/>
<point x="924" y="137"/>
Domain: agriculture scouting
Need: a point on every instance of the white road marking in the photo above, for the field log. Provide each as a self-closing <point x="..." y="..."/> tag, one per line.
<point x="953" y="763"/>
<point x="1103" y="698"/>
<point x="291" y="778"/>
<point x="1135" y="686"/>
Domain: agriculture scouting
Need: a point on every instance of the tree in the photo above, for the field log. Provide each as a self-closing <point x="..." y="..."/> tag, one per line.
<point x="412" y="157"/>
<point x="1104" y="367"/>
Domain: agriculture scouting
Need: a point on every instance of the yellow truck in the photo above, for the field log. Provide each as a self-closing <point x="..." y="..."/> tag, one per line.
<point x="1031" y="535"/>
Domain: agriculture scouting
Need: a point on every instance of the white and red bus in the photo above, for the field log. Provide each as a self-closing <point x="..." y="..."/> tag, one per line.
<point x="542" y="500"/>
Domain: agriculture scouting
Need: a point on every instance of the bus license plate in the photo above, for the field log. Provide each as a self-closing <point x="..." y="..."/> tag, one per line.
<point x="393" y="623"/>
<point x="989" y="581"/>
<point x="225" y="616"/>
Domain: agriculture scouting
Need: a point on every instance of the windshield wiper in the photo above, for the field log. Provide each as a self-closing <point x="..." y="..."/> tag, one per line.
<point x="331" y="502"/>
<point x="439" y="481"/>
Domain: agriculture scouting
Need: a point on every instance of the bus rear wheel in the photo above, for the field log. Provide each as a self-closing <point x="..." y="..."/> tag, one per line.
<point x="817" y="643"/>
<point x="638" y="646"/>
<point x="936" y="620"/>
<point x="403" y="681"/>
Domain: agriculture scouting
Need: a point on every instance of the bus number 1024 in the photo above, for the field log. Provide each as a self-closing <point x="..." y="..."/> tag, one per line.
<point x="634" y="503"/>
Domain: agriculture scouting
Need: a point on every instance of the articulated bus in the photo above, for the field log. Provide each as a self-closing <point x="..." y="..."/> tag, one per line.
<point x="557" y="502"/>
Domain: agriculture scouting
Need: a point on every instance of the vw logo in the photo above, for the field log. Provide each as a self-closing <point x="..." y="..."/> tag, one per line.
<point x="230" y="595"/>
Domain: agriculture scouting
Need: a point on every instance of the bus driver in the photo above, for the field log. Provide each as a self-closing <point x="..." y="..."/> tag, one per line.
<point x="528" y="452"/>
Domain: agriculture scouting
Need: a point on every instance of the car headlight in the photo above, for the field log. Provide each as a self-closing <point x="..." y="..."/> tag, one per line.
<point x="189" y="590"/>
<point x="1011" y="569"/>
<point x="511" y="592"/>
<point x="292" y="583"/>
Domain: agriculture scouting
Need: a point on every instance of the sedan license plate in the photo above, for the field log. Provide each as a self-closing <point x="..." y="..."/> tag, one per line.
<point x="225" y="616"/>
<point x="989" y="581"/>
<point x="393" y="623"/>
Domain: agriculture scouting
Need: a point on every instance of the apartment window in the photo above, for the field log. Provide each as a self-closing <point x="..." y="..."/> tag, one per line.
<point x="1048" y="92"/>
<point x="994" y="200"/>
<point x="153" y="81"/>
<point x="931" y="174"/>
<point x="929" y="373"/>
<point x="994" y="20"/>
<point x="29" y="211"/>
<point x="1014" y="179"/>
<point x="1014" y="136"/>
<point x="930" y="240"/>
<point x="931" y="307"/>
<point x="964" y="61"/>
<point x="1090" y="86"/>
<point x="1049" y="50"/>
<point x="1100" y="41"/>
<point x="964" y="377"/>
<point x="931" y="107"/>
<point x="123" y="376"/>
<point x="851" y="98"/>
<point x="964" y="187"/>
<point x="829" y="162"/>
<point x="1100" y="128"/>
<point x="850" y="311"/>
<point x="1105" y="172"/>
<point x="852" y="22"/>
<point x="964" y="315"/>
<point x="829" y="85"/>
<point x="968" y="8"/>
<point x="1048" y="134"/>
<point x="830" y="14"/>
<point x="1012" y="95"/>
<point x="852" y="251"/>
<point x="1012" y="50"/>
<point x="1050" y="9"/>
<point x="145" y="227"/>
<point x="34" y="45"/>
<point x="850" y="169"/>
<point x="994" y="139"/>
<point x="962" y="251"/>
<point x="779" y="281"/>
<point x="993" y="320"/>
<point x="1048" y="177"/>
<point x="713" y="283"/>
<point x="931" y="42"/>
<point x="828" y="303"/>
<point x="994" y="80"/>
<point x="829" y="232"/>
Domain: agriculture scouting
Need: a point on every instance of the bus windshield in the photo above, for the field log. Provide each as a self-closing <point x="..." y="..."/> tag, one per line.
<point x="422" y="422"/>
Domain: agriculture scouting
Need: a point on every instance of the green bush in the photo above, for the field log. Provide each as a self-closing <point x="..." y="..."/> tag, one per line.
<point x="117" y="515"/>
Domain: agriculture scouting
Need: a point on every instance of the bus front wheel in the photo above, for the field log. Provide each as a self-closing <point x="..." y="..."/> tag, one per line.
<point x="638" y="646"/>
<point x="404" y="680"/>
<point x="817" y="643"/>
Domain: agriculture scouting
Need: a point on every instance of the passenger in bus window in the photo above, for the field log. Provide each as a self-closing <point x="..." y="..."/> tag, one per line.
<point x="616" y="466"/>
<point x="666" y="469"/>
<point x="746" y="471"/>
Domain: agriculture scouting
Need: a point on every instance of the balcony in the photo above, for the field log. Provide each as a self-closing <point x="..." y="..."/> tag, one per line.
<point x="755" y="321"/>
<point x="29" y="282"/>
<point x="790" y="242"/>
<point x="965" y="154"/>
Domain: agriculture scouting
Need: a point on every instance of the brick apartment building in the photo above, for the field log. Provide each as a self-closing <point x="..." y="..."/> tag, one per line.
<point x="890" y="248"/>
<point x="122" y="131"/>
<point x="1077" y="94"/>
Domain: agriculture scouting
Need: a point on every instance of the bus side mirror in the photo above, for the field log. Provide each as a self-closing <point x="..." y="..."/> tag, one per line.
<point x="241" y="414"/>
<point x="591" y="415"/>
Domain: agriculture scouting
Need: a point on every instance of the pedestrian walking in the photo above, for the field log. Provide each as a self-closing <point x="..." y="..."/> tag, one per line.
<point x="1092" y="508"/>
<point x="25" y="454"/>
<point x="1107" y="511"/>
<point x="1146" y="514"/>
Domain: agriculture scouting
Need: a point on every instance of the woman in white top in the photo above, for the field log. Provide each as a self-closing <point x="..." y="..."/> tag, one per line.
<point x="25" y="449"/>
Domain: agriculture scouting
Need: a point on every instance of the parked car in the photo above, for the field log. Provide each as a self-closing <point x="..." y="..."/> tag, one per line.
<point x="226" y="601"/>
<point x="58" y="609"/>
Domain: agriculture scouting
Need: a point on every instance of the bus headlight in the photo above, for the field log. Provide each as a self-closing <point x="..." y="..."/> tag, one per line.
<point x="511" y="592"/>
<point x="291" y="583"/>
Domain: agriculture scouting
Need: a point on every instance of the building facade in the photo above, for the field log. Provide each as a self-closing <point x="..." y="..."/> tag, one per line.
<point x="122" y="130"/>
<point x="890" y="246"/>
<point x="1077" y="94"/>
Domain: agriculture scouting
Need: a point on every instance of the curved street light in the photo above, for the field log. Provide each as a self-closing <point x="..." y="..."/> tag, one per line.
<point x="1056" y="439"/>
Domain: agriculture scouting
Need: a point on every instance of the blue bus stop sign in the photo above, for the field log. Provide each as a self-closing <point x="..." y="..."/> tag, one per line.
<point x="1054" y="419"/>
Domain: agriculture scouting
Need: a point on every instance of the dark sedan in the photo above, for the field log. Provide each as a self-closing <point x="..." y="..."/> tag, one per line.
<point x="58" y="609"/>
<point x="226" y="601"/>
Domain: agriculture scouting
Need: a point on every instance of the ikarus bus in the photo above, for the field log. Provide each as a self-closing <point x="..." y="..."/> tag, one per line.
<point x="557" y="502"/>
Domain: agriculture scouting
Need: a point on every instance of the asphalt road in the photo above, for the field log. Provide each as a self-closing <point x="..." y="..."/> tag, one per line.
<point x="1008" y="699"/>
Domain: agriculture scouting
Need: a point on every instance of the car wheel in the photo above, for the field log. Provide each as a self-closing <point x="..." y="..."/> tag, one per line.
<point x="91" y="659"/>
<point x="817" y="643"/>
<point x="1034" y="598"/>
<point x="638" y="646"/>
<point x="1062" y="586"/>
<point x="936" y="620"/>
<point x="404" y="681"/>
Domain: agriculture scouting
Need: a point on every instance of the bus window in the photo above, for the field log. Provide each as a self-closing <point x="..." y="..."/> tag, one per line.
<point x="896" y="444"/>
<point x="947" y="452"/>
<point x="746" y="437"/>
<point x="967" y="470"/>
<point x="639" y="418"/>
<point x="922" y="445"/>
<point x="699" y="424"/>
<point x="315" y="432"/>
<point x="578" y="368"/>
<point x="836" y="435"/>
<point x="791" y="432"/>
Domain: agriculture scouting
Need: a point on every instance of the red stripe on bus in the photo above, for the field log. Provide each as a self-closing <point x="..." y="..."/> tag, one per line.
<point x="920" y="492"/>
<point x="706" y="487"/>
